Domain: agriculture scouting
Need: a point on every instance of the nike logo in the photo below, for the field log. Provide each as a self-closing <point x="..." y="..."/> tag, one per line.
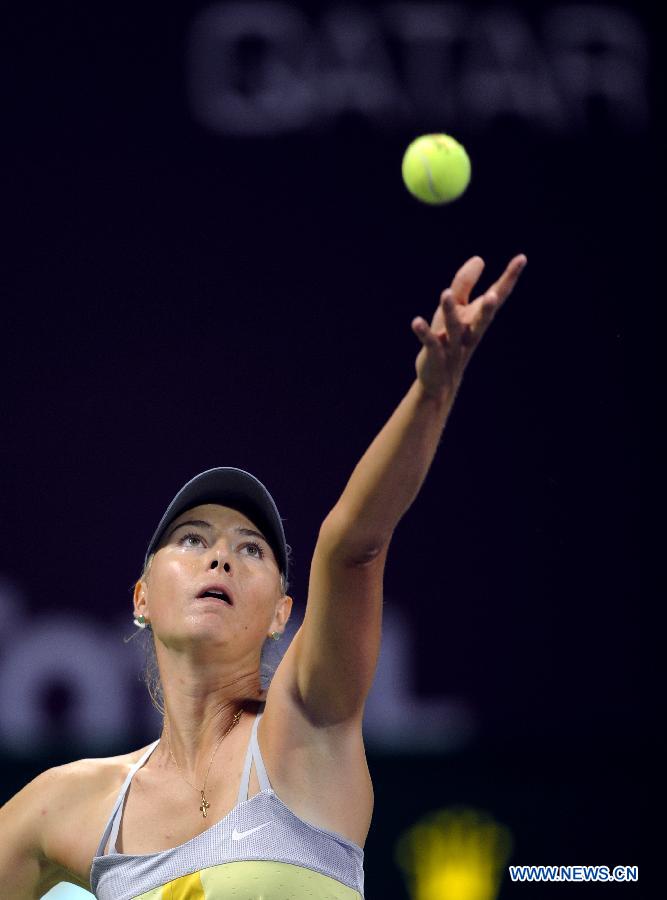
<point x="238" y="835"/>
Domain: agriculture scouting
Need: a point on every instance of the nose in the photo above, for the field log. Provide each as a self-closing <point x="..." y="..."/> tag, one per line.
<point x="226" y="566"/>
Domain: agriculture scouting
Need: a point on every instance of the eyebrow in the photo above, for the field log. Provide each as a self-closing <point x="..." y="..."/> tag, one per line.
<point x="200" y="523"/>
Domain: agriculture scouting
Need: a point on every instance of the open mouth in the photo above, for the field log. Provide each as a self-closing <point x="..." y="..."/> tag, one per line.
<point x="223" y="596"/>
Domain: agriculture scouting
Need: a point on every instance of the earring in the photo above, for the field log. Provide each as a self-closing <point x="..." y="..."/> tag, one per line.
<point x="275" y="635"/>
<point x="140" y="622"/>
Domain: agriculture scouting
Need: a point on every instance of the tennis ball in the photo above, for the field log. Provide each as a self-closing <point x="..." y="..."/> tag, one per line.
<point x="436" y="168"/>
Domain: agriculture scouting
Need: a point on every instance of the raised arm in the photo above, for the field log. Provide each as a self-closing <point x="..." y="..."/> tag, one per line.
<point x="336" y="648"/>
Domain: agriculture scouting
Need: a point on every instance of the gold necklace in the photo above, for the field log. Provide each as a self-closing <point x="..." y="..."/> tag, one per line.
<point x="203" y="808"/>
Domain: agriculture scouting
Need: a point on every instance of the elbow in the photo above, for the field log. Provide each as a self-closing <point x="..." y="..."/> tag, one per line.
<point x="350" y="541"/>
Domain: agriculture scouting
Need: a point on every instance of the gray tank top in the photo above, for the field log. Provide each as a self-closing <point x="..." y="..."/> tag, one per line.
<point x="259" y="828"/>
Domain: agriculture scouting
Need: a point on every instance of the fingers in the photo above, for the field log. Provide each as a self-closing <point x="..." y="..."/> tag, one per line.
<point x="489" y="306"/>
<point x="466" y="278"/>
<point x="421" y="329"/>
<point x="483" y="309"/>
<point x="453" y="325"/>
<point x="505" y="284"/>
<point x="457" y="321"/>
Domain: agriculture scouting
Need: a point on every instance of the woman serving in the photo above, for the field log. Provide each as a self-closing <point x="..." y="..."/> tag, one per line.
<point x="250" y="792"/>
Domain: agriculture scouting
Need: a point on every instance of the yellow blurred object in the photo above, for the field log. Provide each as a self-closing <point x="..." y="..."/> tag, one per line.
<point x="454" y="854"/>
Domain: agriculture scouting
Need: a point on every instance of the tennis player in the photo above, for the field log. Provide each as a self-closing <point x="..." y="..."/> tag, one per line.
<point x="250" y="792"/>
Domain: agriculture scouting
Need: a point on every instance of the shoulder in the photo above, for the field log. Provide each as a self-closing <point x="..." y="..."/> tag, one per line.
<point x="42" y="823"/>
<point x="84" y="790"/>
<point x="27" y="822"/>
<point x="82" y="780"/>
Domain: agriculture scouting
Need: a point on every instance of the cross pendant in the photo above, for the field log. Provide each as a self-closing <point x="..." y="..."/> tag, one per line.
<point x="204" y="805"/>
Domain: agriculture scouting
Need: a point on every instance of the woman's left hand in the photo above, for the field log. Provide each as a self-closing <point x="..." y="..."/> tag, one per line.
<point x="458" y="324"/>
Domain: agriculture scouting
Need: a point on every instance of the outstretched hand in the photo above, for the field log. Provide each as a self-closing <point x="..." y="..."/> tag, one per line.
<point x="458" y="324"/>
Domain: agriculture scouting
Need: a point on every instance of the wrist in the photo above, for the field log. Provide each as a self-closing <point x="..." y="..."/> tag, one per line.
<point x="440" y="397"/>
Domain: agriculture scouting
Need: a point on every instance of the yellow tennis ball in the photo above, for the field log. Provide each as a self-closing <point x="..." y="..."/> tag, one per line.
<point x="436" y="168"/>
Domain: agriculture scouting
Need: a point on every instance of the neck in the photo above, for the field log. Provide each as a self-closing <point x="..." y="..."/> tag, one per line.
<point x="200" y="707"/>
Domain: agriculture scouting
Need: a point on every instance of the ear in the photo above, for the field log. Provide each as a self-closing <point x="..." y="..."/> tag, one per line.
<point x="282" y="614"/>
<point x="140" y="602"/>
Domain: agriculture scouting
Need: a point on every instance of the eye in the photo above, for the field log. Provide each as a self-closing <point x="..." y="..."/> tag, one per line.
<point x="190" y="539"/>
<point x="258" y="551"/>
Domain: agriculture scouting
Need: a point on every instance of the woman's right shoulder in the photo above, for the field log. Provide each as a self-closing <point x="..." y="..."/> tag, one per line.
<point x="83" y="781"/>
<point x="82" y="793"/>
<point x="42" y="824"/>
<point x="80" y="777"/>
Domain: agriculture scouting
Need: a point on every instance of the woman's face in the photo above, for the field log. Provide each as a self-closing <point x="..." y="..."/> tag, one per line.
<point x="218" y="549"/>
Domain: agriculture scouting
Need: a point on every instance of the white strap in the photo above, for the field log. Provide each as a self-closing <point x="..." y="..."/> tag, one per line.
<point x="252" y="754"/>
<point x="113" y="823"/>
<point x="264" y="783"/>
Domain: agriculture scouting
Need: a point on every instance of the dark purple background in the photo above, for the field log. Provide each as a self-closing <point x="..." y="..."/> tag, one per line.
<point x="176" y="300"/>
